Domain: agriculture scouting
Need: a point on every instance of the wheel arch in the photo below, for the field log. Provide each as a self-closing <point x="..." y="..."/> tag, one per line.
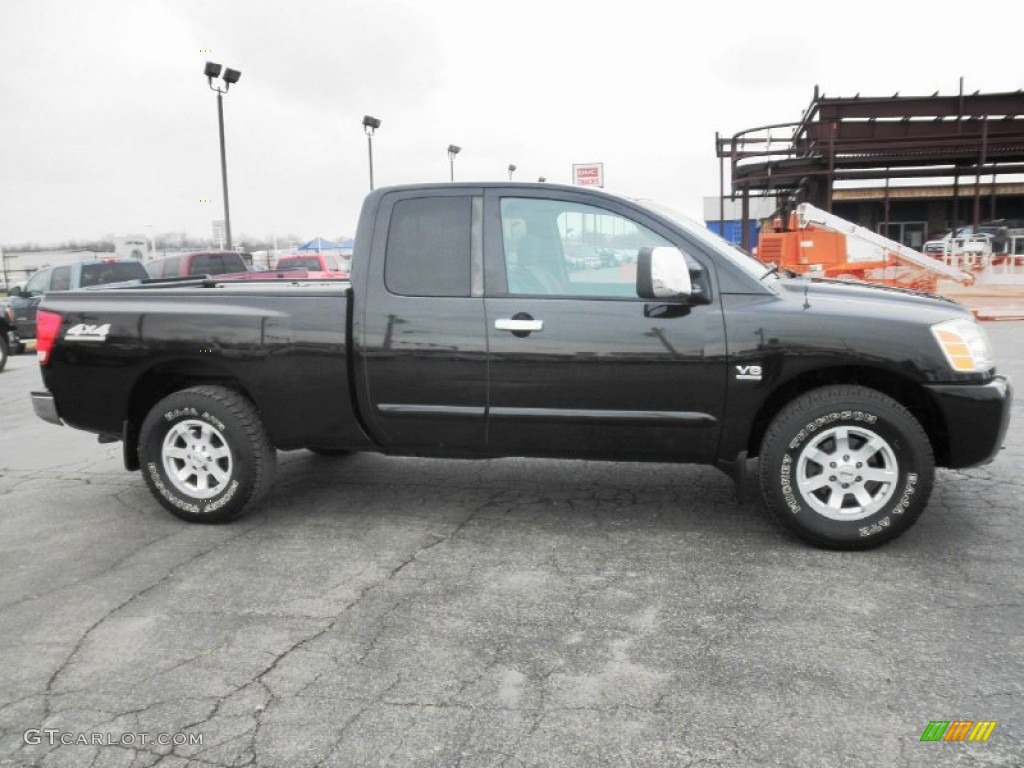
<point x="907" y="392"/>
<point x="163" y="379"/>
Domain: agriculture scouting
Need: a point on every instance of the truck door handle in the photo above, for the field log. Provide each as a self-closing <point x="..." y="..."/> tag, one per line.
<point x="518" y="324"/>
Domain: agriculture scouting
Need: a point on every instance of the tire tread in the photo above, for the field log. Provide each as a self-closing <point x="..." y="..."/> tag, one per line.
<point x="263" y="452"/>
<point x="826" y="397"/>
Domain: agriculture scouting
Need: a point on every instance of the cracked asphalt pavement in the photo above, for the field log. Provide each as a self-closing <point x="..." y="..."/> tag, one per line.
<point x="380" y="611"/>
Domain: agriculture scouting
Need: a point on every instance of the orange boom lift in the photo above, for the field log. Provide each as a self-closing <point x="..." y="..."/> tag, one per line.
<point x="824" y="245"/>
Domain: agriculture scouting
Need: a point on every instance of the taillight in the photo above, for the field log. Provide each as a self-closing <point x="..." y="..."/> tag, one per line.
<point x="47" y="328"/>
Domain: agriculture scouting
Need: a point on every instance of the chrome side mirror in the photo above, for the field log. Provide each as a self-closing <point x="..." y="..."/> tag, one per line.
<point x="662" y="273"/>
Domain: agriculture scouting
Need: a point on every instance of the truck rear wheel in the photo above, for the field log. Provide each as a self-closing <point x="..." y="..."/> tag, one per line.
<point x="3" y="352"/>
<point x="205" y="454"/>
<point x="846" y="467"/>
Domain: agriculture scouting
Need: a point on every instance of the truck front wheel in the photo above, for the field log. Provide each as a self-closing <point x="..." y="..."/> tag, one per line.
<point x="205" y="454"/>
<point x="846" y="467"/>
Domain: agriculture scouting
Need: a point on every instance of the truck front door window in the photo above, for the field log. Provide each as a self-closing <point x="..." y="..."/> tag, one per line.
<point x="561" y="248"/>
<point x="207" y="264"/>
<point x="172" y="267"/>
<point x="38" y="283"/>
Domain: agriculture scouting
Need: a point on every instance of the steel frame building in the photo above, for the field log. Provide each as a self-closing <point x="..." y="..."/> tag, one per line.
<point x="958" y="138"/>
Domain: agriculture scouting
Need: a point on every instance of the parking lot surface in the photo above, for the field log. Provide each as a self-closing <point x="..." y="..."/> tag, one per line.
<point x="379" y="611"/>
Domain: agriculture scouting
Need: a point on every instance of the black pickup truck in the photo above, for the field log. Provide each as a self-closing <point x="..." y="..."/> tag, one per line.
<point x="466" y="331"/>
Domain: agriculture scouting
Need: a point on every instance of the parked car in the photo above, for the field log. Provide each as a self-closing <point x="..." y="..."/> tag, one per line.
<point x="849" y="394"/>
<point x="199" y="263"/>
<point x="938" y="246"/>
<point x="68" y="277"/>
<point x="583" y="257"/>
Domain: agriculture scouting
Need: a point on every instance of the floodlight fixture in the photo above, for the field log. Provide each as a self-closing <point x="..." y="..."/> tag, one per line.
<point x="231" y="75"/>
<point x="370" y="124"/>
<point x="453" y="150"/>
<point x="212" y="69"/>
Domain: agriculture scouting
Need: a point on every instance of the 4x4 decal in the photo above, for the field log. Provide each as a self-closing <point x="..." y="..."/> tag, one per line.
<point x="84" y="332"/>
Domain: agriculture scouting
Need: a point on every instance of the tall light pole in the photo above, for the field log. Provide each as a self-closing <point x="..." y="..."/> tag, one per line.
<point x="370" y="124"/>
<point x="230" y="76"/>
<point x="511" y="170"/>
<point x="452" y="152"/>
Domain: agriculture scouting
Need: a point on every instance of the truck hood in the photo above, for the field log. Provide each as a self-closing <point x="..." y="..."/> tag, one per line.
<point x="869" y="300"/>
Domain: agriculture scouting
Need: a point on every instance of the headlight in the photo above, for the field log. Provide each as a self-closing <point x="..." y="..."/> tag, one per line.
<point x="965" y="345"/>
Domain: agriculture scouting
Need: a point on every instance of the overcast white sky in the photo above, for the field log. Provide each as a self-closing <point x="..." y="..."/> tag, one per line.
<point x="108" y="125"/>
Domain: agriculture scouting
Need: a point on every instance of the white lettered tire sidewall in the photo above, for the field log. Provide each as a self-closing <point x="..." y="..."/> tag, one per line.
<point x="213" y="424"/>
<point x="814" y="470"/>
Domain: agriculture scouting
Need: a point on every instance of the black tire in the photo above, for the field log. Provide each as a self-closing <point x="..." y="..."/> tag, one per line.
<point x="213" y="436"/>
<point x="875" y="489"/>
<point x="329" y="451"/>
<point x="4" y="353"/>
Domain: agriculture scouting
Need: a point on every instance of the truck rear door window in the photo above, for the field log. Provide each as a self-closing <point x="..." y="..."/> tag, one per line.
<point x="61" y="280"/>
<point x="428" y="251"/>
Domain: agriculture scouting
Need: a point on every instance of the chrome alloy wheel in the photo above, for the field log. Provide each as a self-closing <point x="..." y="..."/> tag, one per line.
<point x="197" y="459"/>
<point x="847" y="473"/>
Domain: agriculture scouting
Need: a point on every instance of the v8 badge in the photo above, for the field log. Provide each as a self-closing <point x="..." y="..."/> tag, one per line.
<point x="748" y="372"/>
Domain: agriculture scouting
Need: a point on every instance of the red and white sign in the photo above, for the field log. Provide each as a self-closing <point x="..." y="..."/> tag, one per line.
<point x="588" y="174"/>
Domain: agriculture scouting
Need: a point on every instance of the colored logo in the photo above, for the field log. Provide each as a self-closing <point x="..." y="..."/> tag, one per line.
<point x="958" y="730"/>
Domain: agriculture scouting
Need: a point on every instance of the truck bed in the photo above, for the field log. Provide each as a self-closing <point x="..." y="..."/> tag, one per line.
<point x="284" y="343"/>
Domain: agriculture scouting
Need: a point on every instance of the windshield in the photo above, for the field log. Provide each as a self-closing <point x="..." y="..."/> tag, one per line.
<point x="311" y="263"/>
<point x="738" y="257"/>
<point x="112" y="272"/>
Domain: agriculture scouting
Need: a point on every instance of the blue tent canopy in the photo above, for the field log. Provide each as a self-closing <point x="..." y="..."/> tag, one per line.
<point x="319" y="244"/>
